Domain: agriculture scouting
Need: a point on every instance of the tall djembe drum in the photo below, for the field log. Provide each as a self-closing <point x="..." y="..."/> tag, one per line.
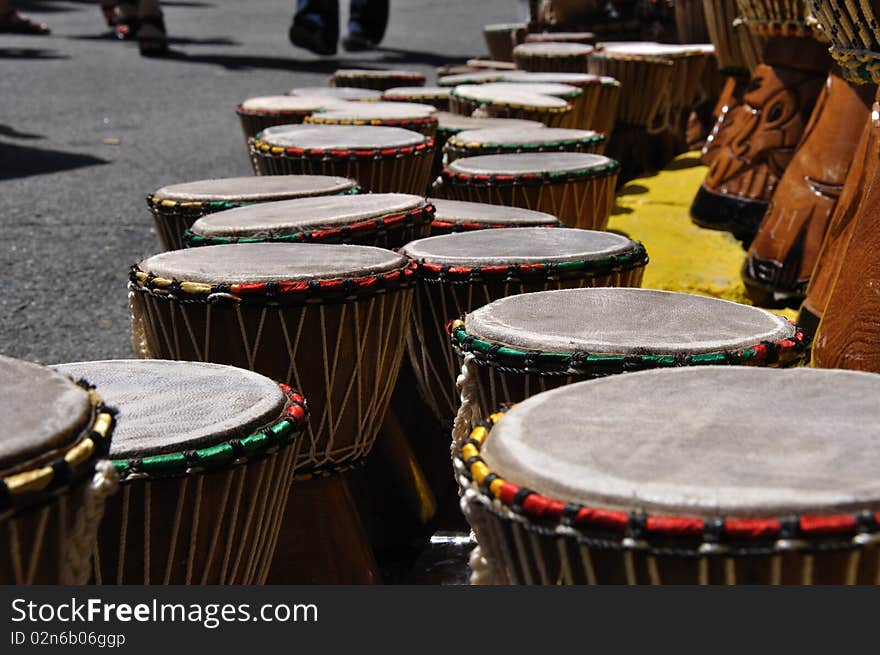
<point x="850" y="323"/>
<point x="326" y="319"/>
<point x="607" y="482"/>
<point x="53" y="482"/>
<point x="205" y="454"/>
<point x="758" y="138"/>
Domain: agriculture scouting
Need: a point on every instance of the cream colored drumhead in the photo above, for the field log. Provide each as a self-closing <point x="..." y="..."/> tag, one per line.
<point x="339" y="92"/>
<point x="459" y="211"/>
<point x="623" y="321"/>
<point x="552" y="49"/>
<point x="255" y="189"/>
<point x="507" y="136"/>
<point x="331" y="137"/>
<point x="532" y="162"/>
<point x="700" y="441"/>
<point x="353" y="111"/>
<point x="555" y="89"/>
<point x="518" y="245"/>
<point x="303" y="215"/>
<point x="508" y="95"/>
<point x="300" y="104"/>
<point x="456" y="122"/>
<point x="165" y="406"/>
<point x="417" y="92"/>
<point x="271" y="262"/>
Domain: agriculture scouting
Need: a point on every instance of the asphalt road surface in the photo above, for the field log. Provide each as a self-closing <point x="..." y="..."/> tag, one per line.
<point x="88" y="128"/>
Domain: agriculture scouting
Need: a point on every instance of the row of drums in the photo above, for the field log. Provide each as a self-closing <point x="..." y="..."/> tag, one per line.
<point x="272" y="349"/>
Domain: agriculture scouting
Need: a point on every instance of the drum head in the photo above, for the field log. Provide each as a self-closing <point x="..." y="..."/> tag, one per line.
<point x="459" y="211"/>
<point x="535" y="136"/>
<point x="555" y="89"/>
<point x="169" y="407"/>
<point x="271" y="262"/>
<point x="575" y="79"/>
<point x="42" y="412"/>
<point x="304" y="215"/>
<point x="417" y="92"/>
<point x="552" y="49"/>
<point x="255" y="189"/>
<point x="371" y="73"/>
<point x="526" y="163"/>
<point x="507" y="95"/>
<point x="518" y="245"/>
<point x="356" y="111"/>
<point x="298" y="104"/>
<point x="620" y="321"/>
<point x="456" y="122"/>
<point x="343" y="137"/>
<point x="339" y="92"/>
<point x="476" y="77"/>
<point x="700" y="441"/>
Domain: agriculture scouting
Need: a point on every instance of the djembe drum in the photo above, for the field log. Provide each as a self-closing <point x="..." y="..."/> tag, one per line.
<point x="597" y="106"/>
<point x="406" y="115"/>
<point x="436" y="96"/>
<point x="387" y="220"/>
<point x="377" y="80"/>
<point x="350" y="93"/>
<point x="205" y="454"/>
<point x="552" y="57"/>
<point x="584" y="38"/>
<point x="501" y="140"/>
<point x="256" y="114"/>
<point x="785" y="249"/>
<point x="471" y="77"/>
<point x="176" y="207"/>
<point x="322" y="318"/>
<point x="460" y="216"/>
<point x="748" y="492"/>
<point x="501" y="38"/>
<point x="449" y="124"/>
<point x="757" y="139"/>
<point x="458" y="273"/>
<point x="381" y="159"/>
<point x="521" y="345"/>
<point x="571" y="94"/>
<point x="53" y="483"/>
<point x="846" y="275"/>
<point x="577" y="188"/>
<point x="508" y="102"/>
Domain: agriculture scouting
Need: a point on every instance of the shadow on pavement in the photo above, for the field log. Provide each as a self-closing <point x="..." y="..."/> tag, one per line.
<point x="21" y="161"/>
<point x="173" y="40"/>
<point x="30" y="53"/>
<point x="12" y="133"/>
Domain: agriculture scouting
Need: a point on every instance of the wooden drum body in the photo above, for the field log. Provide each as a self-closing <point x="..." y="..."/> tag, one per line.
<point x="54" y="485"/>
<point x="555" y="496"/>
<point x="377" y="80"/>
<point x="459" y="273"/>
<point x="206" y="456"/>
<point x="501" y="38"/>
<point x="175" y="208"/>
<point x="577" y="188"/>
<point x="381" y="159"/>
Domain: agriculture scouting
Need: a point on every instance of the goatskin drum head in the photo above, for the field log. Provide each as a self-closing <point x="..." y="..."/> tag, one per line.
<point x="525" y="163"/>
<point x="341" y="137"/>
<point x="255" y="188"/>
<point x="460" y="211"/>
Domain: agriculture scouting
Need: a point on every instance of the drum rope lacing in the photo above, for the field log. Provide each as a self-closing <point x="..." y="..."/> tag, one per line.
<point x="418" y="122"/>
<point x="677" y="535"/>
<point x="466" y="226"/>
<point x="261" y="147"/>
<point x="391" y="223"/>
<point x="853" y="30"/>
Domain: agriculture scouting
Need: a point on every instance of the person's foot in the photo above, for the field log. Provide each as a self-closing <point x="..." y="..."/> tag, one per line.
<point x="357" y="42"/>
<point x="16" y="23"/>
<point x="312" y="39"/>
<point x="151" y="36"/>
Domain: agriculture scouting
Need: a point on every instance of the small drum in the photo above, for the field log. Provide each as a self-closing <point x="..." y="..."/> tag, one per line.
<point x="459" y="272"/>
<point x="502" y="140"/>
<point x="501" y="38"/>
<point x="381" y="159"/>
<point x="750" y="491"/>
<point x="256" y="305"/>
<point x="577" y="188"/>
<point x="205" y="454"/>
<point x="584" y="38"/>
<point x="521" y="345"/>
<point x="388" y="220"/>
<point x="552" y="57"/>
<point x="256" y="114"/>
<point x="436" y="96"/>
<point x="408" y="115"/>
<point x="571" y="94"/>
<point x="597" y="106"/>
<point x="473" y="77"/>
<point x="175" y="208"/>
<point x="378" y="80"/>
<point x="52" y="484"/>
<point x="508" y="102"/>
<point x="349" y="93"/>
<point x="644" y="79"/>
<point x="460" y="216"/>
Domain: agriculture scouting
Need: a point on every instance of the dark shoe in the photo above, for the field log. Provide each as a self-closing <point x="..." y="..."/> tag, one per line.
<point x="16" y="23"/>
<point x="152" y="41"/>
<point x="358" y="43"/>
<point x="312" y="39"/>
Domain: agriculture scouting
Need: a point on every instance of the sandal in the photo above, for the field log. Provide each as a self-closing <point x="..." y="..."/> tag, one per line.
<point x="16" y="23"/>
<point x="155" y="42"/>
<point x="125" y="22"/>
